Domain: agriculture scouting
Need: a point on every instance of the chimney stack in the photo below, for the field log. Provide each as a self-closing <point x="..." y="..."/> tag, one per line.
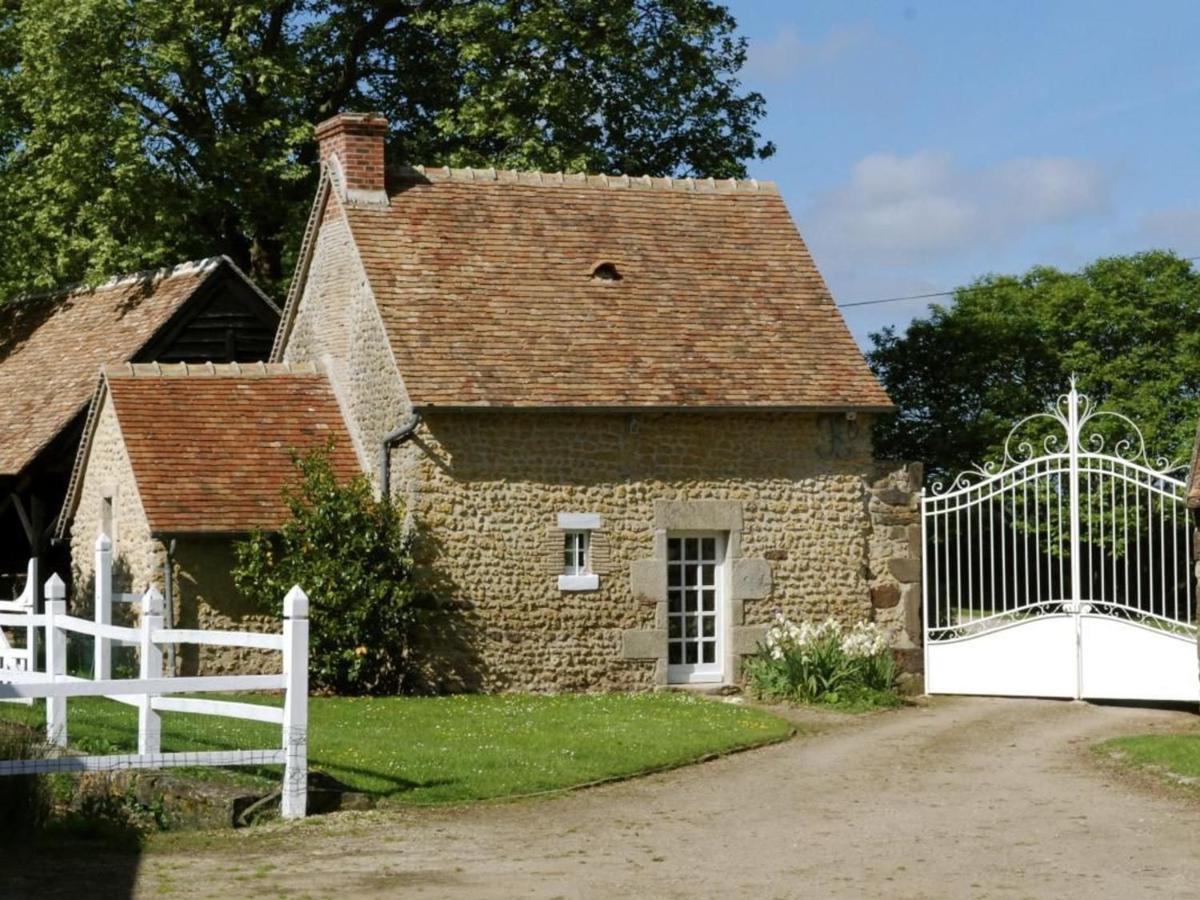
<point x="352" y="147"/>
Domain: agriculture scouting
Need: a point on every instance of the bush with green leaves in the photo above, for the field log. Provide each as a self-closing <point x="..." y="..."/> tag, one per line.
<point x="824" y="663"/>
<point x="351" y="554"/>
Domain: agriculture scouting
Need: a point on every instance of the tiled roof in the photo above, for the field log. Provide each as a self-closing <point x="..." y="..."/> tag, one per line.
<point x="485" y="283"/>
<point x="211" y="446"/>
<point x="53" y="345"/>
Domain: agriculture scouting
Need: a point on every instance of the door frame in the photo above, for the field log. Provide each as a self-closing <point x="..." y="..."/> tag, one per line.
<point x="716" y="672"/>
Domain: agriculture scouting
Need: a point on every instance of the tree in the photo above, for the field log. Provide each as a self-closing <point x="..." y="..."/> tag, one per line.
<point x="1127" y="326"/>
<point x="135" y="133"/>
<point x="351" y="555"/>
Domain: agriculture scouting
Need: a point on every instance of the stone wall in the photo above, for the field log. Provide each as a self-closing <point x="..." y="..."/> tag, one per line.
<point x="338" y="326"/>
<point x="205" y="597"/>
<point x="811" y="522"/>
<point x="894" y="559"/>
<point x="137" y="557"/>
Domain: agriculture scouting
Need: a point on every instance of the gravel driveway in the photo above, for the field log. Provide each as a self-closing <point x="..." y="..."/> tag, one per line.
<point x="961" y="798"/>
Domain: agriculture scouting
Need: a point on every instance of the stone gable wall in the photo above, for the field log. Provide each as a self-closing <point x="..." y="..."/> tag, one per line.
<point x="798" y="494"/>
<point x="338" y="325"/>
<point x="137" y="557"/>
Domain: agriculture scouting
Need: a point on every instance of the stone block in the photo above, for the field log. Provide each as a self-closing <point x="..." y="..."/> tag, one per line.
<point x="698" y="515"/>
<point x="751" y="579"/>
<point x="910" y="599"/>
<point x="746" y="639"/>
<point x="916" y="476"/>
<point x="648" y="643"/>
<point x="894" y="496"/>
<point x="906" y="571"/>
<point x="648" y="579"/>
<point x="885" y="596"/>
<point x="915" y="545"/>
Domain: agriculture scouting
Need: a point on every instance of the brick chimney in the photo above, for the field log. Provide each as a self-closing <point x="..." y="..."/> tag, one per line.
<point x="351" y="146"/>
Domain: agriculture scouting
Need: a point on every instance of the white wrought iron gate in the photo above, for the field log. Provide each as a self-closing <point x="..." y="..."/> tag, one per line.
<point x="1065" y="570"/>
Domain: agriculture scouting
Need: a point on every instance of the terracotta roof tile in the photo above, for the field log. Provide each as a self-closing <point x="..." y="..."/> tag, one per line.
<point x="485" y="283"/>
<point x="211" y="448"/>
<point x="52" y="347"/>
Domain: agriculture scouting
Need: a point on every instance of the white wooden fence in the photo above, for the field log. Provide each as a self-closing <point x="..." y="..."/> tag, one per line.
<point x="21" y="659"/>
<point x="151" y="692"/>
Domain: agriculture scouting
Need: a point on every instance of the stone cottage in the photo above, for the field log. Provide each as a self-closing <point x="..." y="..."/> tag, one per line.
<point x="624" y="413"/>
<point x="180" y="460"/>
<point x="52" y="347"/>
<point x="625" y="416"/>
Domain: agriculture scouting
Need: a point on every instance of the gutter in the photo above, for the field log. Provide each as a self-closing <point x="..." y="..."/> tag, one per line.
<point x="395" y="439"/>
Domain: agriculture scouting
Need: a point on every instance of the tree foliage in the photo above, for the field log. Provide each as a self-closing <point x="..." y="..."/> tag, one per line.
<point x="350" y="553"/>
<point x="1127" y="326"/>
<point x="136" y="133"/>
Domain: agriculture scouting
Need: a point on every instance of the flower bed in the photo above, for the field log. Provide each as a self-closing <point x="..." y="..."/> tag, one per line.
<point x="824" y="663"/>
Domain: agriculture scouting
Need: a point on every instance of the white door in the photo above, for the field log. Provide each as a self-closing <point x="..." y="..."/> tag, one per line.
<point x="695" y="621"/>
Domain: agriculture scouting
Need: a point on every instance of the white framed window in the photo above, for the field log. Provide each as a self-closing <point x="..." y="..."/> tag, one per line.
<point x="575" y="556"/>
<point x="577" y="574"/>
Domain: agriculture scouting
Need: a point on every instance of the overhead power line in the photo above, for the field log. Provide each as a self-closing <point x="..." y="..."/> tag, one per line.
<point x="962" y="290"/>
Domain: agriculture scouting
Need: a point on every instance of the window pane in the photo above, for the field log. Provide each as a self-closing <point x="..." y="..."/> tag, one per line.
<point x="675" y="654"/>
<point x="710" y="652"/>
<point x="674" y="601"/>
<point x="689" y="601"/>
<point x="710" y="626"/>
<point x="710" y="601"/>
<point x="690" y="653"/>
<point x="691" y="550"/>
<point x="708" y="547"/>
<point x="673" y="548"/>
<point x="690" y="574"/>
<point x="689" y="627"/>
<point x="673" y="627"/>
<point x="674" y="576"/>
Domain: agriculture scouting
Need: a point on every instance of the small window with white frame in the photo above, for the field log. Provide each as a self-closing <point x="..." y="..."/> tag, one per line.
<point x="575" y="547"/>
<point x="576" y="574"/>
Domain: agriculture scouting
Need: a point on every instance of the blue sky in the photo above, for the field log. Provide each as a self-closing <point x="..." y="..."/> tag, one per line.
<point x="921" y="144"/>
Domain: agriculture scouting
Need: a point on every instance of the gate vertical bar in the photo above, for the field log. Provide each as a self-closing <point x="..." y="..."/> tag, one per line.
<point x="925" y="597"/>
<point x="1073" y="488"/>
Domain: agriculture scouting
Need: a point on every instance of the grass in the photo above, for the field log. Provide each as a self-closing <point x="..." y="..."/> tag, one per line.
<point x="429" y="750"/>
<point x="1175" y="755"/>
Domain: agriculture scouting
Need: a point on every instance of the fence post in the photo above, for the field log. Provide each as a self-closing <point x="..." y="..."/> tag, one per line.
<point x="102" y="658"/>
<point x="56" y="659"/>
<point x="31" y="596"/>
<point x="149" y="721"/>
<point x="295" y="704"/>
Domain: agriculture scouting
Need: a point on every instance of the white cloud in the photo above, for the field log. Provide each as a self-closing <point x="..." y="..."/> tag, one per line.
<point x="903" y="209"/>
<point x="787" y="53"/>
<point x="1173" y="229"/>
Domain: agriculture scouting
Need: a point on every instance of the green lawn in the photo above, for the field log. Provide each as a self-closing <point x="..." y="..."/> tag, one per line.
<point x="1174" y="754"/>
<point x="423" y="750"/>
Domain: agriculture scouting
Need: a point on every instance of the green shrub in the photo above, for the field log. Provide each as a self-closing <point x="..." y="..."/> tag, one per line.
<point x="349" y="552"/>
<point x="824" y="663"/>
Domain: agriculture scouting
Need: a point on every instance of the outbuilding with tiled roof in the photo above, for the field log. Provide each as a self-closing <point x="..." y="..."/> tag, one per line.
<point x="180" y="460"/>
<point x="52" y="346"/>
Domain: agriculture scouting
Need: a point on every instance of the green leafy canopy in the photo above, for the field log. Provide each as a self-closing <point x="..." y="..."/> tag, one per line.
<point x="137" y="133"/>
<point x="1127" y="326"/>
